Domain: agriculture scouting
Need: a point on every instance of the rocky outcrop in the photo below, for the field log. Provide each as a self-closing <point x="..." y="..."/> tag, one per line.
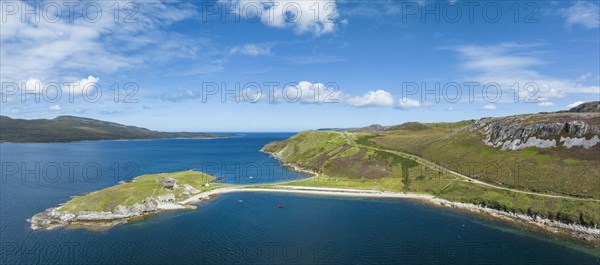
<point x="54" y="217"/>
<point x="541" y="130"/>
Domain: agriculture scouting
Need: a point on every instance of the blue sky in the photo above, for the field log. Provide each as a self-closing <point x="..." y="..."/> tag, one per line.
<point x="175" y="65"/>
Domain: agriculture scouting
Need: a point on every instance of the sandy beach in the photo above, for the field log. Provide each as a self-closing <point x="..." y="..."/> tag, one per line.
<point x="310" y="190"/>
<point x="577" y="231"/>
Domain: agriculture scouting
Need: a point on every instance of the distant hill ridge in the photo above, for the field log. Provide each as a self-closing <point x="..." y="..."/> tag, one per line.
<point x="513" y="132"/>
<point x="72" y="128"/>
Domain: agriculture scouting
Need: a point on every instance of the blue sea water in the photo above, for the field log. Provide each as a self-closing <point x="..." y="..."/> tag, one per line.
<point x="309" y="230"/>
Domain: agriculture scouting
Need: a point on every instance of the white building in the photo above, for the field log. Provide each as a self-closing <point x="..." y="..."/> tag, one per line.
<point x="166" y="198"/>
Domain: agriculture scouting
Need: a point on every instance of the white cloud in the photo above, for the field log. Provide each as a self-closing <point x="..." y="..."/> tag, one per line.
<point x="307" y="92"/>
<point x="584" y="77"/>
<point x="181" y="95"/>
<point x="407" y="103"/>
<point x="496" y="57"/>
<point x="378" y="98"/>
<point x="582" y="13"/>
<point x="489" y="107"/>
<point x="55" y="107"/>
<point x="251" y="50"/>
<point x="47" y="49"/>
<point x="575" y="104"/>
<point x="33" y="85"/>
<point x="15" y="111"/>
<point x="317" y="16"/>
<point x="508" y="64"/>
<point x="546" y="104"/>
<point x="86" y="85"/>
<point x="304" y="92"/>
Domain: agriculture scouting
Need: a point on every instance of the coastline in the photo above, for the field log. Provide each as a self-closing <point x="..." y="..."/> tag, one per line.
<point x="577" y="231"/>
<point x="122" y="140"/>
<point x="55" y="220"/>
<point x="572" y="231"/>
<point x="51" y="219"/>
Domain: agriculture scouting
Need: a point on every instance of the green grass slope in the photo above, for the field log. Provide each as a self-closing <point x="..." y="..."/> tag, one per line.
<point x="136" y="191"/>
<point x="362" y="164"/>
<point x="562" y="171"/>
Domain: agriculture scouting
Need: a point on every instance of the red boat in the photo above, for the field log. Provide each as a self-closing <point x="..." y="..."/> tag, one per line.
<point x="281" y="206"/>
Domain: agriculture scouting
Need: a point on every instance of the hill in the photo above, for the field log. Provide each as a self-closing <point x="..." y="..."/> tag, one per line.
<point x="71" y="128"/>
<point x="542" y="165"/>
<point x="593" y="106"/>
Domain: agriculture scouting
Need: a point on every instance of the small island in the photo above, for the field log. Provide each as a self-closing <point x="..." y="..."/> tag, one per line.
<point x="134" y="198"/>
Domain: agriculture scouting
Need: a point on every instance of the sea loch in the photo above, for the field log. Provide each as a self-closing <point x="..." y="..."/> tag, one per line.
<point x="310" y="229"/>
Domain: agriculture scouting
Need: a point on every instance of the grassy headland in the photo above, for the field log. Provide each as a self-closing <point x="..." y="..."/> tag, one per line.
<point x="140" y="196"/>
<point x="361" y="160"/>
<point x="139" y="190"/>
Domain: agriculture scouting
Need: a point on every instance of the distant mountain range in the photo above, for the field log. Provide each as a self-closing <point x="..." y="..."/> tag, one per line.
<point x="71" y="128"/>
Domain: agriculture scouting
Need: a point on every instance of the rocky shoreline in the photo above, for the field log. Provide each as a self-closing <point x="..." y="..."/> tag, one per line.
<point x="571" y="230"/>
<point x="574" y="231"/>
<point x="51" y="218"/>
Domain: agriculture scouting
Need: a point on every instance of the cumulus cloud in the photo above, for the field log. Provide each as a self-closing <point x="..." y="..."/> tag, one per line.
<point x="86" y="85"/>
<point x="378" y="98"/>
<point x="489" y="107"/>
<point x="546" y="104"/>
<point x="55" y="107"/>
<point x="317" y="16"/>
<point x="52" y="91"/>
<point x="308" y="92"/>
<point x="582" y="13"/>
<point x="584" y="77"/>
<point x="575" y="104"/>
<point x="251" y="50"/>
<point x="33" y="85"/>
<point x="407" y="103"/>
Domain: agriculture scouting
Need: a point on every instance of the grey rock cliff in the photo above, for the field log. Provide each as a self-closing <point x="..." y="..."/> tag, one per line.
<point x="541" y="130"/>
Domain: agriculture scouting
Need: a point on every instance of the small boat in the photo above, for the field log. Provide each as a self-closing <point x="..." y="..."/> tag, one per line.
<point x="251" y="177"/>
<point x="240" y="201"/>
<point x="281" y="206"/>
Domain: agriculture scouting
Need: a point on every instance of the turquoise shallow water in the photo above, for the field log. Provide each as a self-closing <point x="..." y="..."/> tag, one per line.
<point x="309" y="230"/>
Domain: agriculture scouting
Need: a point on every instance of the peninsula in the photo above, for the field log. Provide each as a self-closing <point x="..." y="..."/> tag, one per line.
<point x="134" y="198"/>
<point x="540" y="169"/>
